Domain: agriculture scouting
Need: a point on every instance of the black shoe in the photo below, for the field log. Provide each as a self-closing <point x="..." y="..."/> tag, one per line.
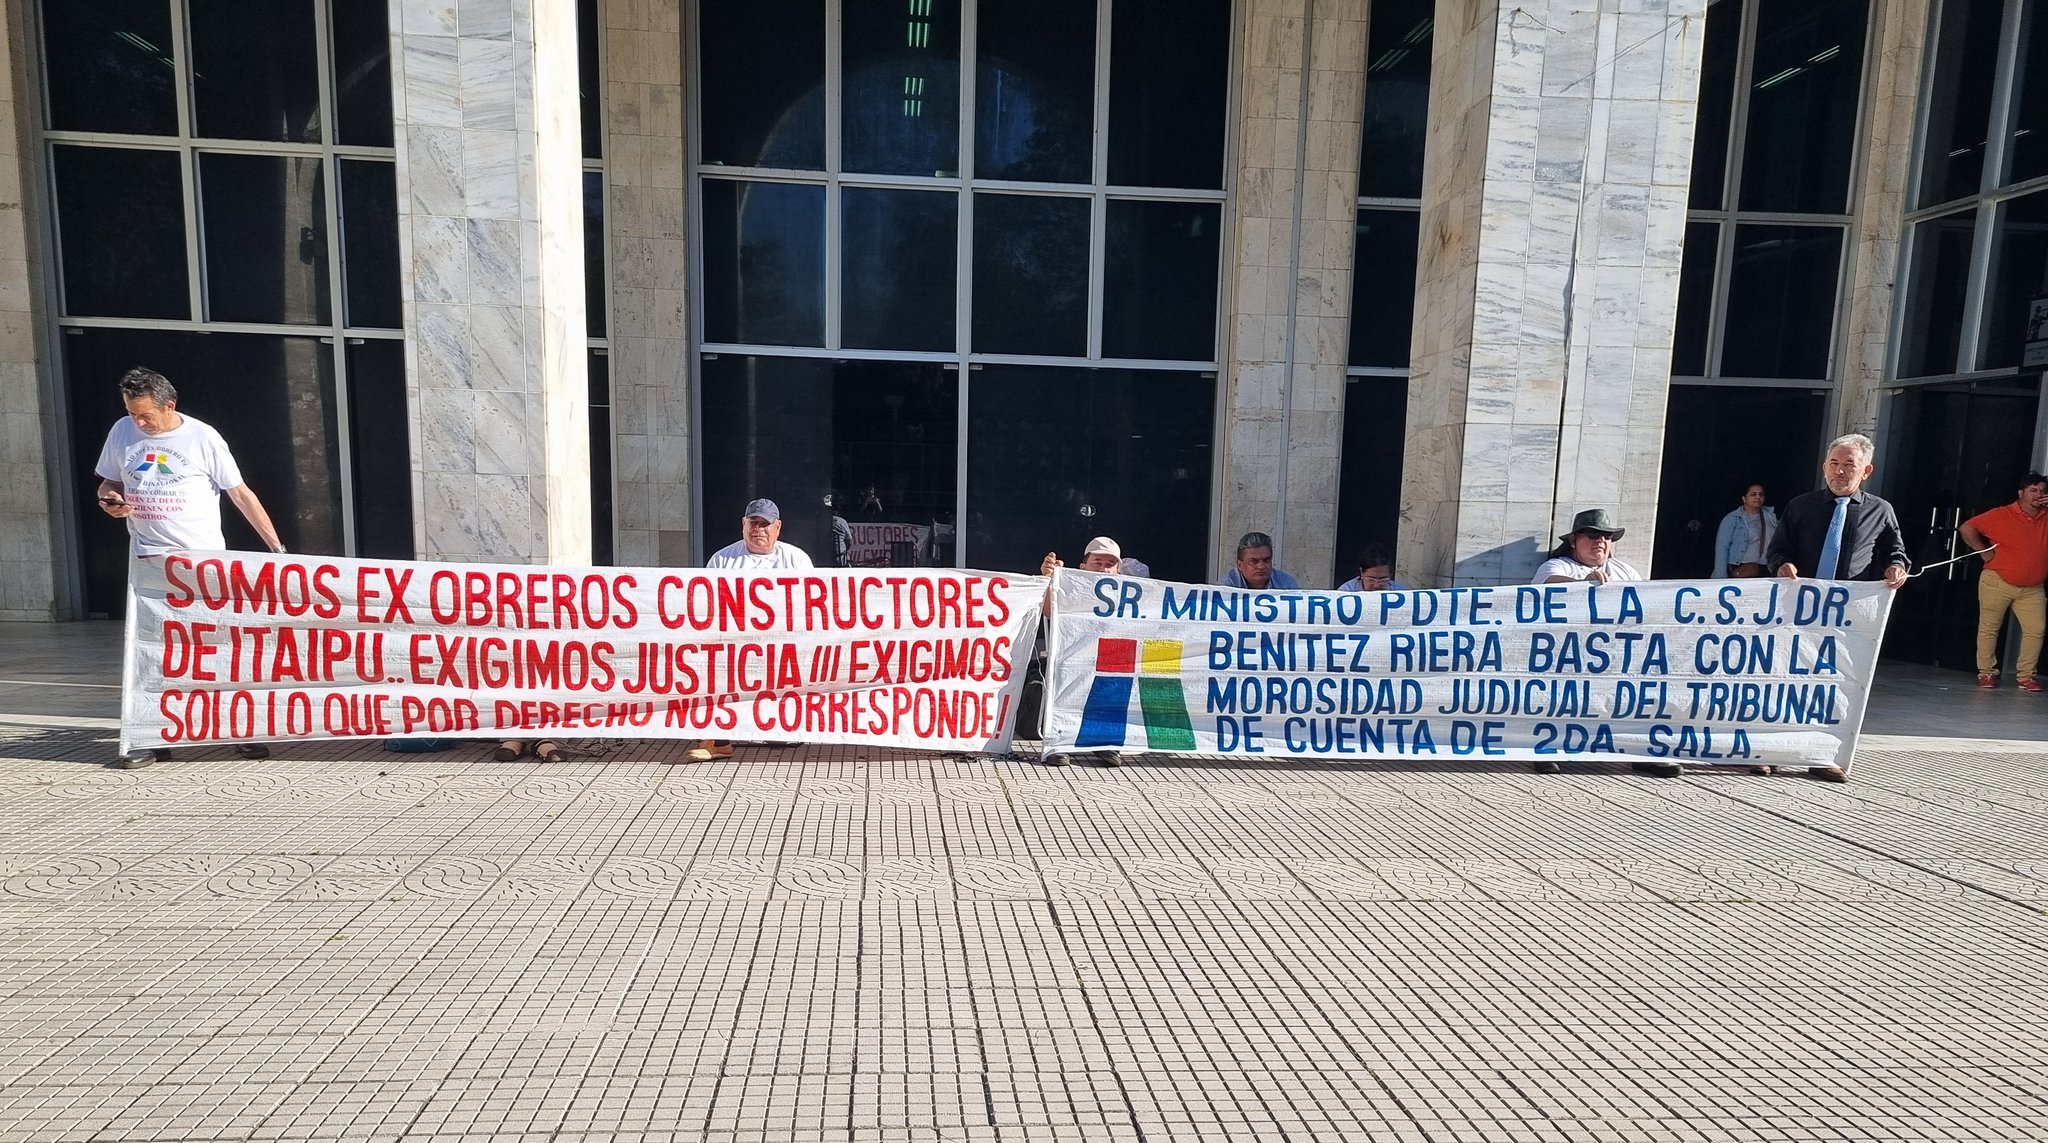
<point x="253" y="750"/>
<point x="1545" y="767"/>
<point x="1826" y="774"/>
<point x="1108" y="758"/>
<point x="138" y="759"/>
<point x="1658" y="769"/>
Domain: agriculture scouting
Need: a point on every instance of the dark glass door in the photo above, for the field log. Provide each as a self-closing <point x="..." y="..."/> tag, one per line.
<point x="1950" y="452"/>
<point x="1718" y="440"/>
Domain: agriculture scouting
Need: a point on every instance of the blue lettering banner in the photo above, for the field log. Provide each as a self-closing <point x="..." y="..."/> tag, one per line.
<point x="1739" y="672"/>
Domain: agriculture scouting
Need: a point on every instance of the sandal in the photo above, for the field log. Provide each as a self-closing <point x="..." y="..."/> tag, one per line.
<point x="508" y="750"/>
<point x="547" y="751"/>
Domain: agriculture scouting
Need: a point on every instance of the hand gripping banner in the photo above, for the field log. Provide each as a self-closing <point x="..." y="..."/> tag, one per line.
<point x="1756" y="671"/>
<point x="240" y="647"/>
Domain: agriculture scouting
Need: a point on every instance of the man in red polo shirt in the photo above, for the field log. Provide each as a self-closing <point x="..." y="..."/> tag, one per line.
<point x="2013" y="573"/>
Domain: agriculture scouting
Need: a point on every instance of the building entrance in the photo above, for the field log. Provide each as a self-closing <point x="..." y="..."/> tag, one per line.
<point x="1951" y="451"/>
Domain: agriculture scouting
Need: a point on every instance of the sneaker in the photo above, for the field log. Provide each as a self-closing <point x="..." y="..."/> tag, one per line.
<point x="1544" y="767"/>
<point x="1054" y="759"/>
<point x="2030" y="686"/>
<point x="1987" y="682"/>
<point x="708" y="749"/>
<point x="1827" y="774"/>
<point x="253" y="750"/>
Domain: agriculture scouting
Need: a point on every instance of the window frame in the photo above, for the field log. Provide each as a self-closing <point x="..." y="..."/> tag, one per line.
<point x="1989" y="202"/>
<point x="1098" y="192"/>
<point x="336" y="332"/>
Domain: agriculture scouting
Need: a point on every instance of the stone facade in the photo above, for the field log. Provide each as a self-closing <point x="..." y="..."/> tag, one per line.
<point x="647" y="213"/>
<point x="1898" y="58"/>
<point x="1554" y="198"/>
<point x="1289" y="288"/>
<point x="490" y="218"/>
<point x="27" y="565"/>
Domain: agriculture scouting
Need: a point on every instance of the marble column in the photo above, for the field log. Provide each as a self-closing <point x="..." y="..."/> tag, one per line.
<point x="1554" y="196"/>
<point x="1294" y="211"/>
<point x="490" y="219"/>
<point x="1881" y="199"/>
<point x="27" y="587"/>
<point x="647" y="212"/>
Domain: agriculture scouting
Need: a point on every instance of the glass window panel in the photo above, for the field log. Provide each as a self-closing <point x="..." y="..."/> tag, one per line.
<point x="1159" y="281"/>
<point x="595" y="281"/>
<point x="1034" y="96"/>
<point x="1169" y="62"/>
<point x="1397" y="49"/>
<point x="601" y="522"/>
<point x="107" y="65"/>
<point x="1383" y="287"/>
<point x="369" y="253"/>
<point x="1804" y="86"/>
<point x="121" y="223"/>
<point x="1055" y="456"/>
<point x="361" y="44"/>
<point x="1369" y="488"/>
<point x="1695" y="299"/>
<point x="878" y="437"/>
<point x="2019" y="274"/>
<point x="1719" y="58"/>
<point x="898" y="268"/>
<point x="589" y="77"/>
<point x="380" y="448"/>
<point x="1030" y="274"/>
<point x="271" y="397"/>
<point x="2027" y="151"/>
<point x="265" y="224"/>
<point x="761" y="71"/>
<point x="1932" y="329"/>
<point x="254" y="70"/>
<point x="1781" y="301"/>
<point x="1959" y="100"/>
<point x="764" y="262"/>
<point x="901" y="112"/>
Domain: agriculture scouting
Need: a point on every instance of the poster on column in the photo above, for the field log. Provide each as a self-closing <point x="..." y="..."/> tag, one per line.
<point x="228" y="647"/>
<point x="1733" y="672"/>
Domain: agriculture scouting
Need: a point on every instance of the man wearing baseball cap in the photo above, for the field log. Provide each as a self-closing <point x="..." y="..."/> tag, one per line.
<point x="760" y="545"/>
<point x="760" y="548"/>
<point x="1101" y="555"/>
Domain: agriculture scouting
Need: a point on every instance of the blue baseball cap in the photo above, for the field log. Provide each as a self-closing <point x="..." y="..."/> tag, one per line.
<point x="763" y="509"/>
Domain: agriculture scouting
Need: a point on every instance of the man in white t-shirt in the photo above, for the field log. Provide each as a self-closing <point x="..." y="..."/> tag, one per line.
<point x="760" y="549"/>
<point x="164" y="473"/>
<point x="760" y="546"/>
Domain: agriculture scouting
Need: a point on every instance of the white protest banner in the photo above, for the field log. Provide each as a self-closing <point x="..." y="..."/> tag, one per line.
<point x="239" y="647"/>
<point x="1748" y="671"/>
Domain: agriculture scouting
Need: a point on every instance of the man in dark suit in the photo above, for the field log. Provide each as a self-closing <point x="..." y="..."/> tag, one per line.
<point x="1841" y="532"/>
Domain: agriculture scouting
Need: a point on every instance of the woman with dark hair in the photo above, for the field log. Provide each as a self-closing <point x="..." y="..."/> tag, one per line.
<point x="1744" y="537"/>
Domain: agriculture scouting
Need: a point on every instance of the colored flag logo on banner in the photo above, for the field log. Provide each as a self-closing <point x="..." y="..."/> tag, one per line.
<point x="1162" y="705"/>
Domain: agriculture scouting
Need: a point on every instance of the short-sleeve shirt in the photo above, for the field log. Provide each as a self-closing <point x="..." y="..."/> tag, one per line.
<point x="736" y="555"/>
<point x="1618" y="571"/>
<point x="1281" y="581"/>
<point x="173" y="480"/>
<point x="2022" y="556"/>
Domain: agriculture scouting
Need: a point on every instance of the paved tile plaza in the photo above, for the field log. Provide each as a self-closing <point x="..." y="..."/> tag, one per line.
<point x="847" y="944"/>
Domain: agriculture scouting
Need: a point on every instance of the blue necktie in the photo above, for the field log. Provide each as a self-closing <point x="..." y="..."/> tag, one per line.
<point x="1831" y="548"/>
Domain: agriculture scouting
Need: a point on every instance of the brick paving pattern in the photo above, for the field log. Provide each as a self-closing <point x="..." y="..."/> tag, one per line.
<point x="840" y="944"/>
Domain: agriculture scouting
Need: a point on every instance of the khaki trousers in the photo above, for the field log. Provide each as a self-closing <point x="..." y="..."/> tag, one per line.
<point x="2027" y="604"/>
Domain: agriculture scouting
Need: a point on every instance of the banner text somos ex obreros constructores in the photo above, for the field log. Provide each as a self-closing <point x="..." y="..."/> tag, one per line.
<point x="237" y="647"/>
<point x="1757" y="671"/>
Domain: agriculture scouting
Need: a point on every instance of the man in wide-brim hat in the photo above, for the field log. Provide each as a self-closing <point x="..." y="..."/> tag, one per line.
<point x="1586" y="553"/>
